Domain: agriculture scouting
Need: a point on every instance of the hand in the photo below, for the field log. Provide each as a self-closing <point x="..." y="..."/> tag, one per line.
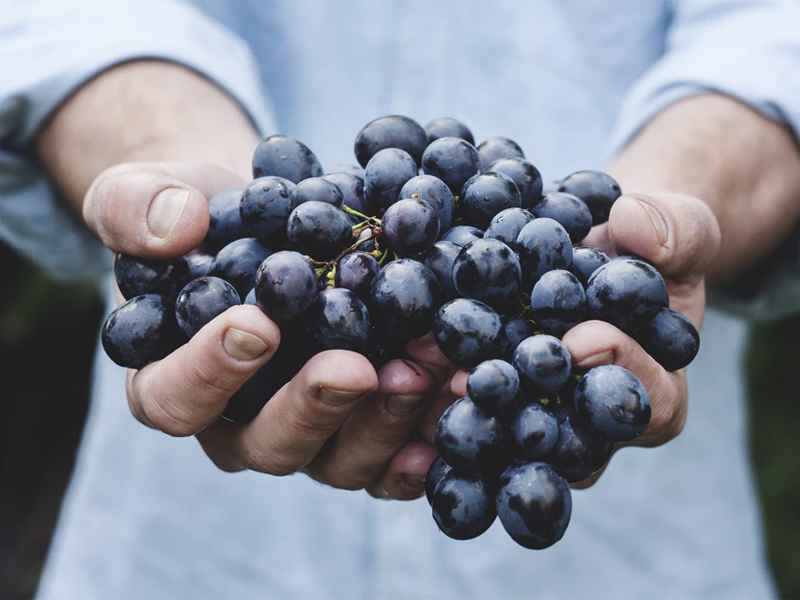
<point x="338" y="420"/>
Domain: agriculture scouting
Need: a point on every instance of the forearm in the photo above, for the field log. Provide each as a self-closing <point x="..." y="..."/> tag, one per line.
<point x="144" y="111"/>
<point x="744" y="166"/>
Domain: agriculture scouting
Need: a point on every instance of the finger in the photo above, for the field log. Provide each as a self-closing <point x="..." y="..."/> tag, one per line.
<point x="425" y="352"/>
<point x="441" y="401"/>
<point x="154" y="210"/>
<point x="377" y="429"/>
<point x="595" y="343"/>
<point x="188" y="390"/>
<point x="458" y="384"/>
<point x="404" y="478"/>
<point x="293" y="426"/>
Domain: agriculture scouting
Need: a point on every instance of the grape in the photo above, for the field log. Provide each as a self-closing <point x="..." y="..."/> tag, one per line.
<point x="626" y="293"/>
<point x="534" y="432"/>
<point x="598" y="191"/>
<point x="585" y="261"/>
<point x="543" y="363"/>
<point x="524" y="175"/>
<point x="201" y="301"/>
<point x="487" y="270"/>
<point x="319" y="230"/>
<point x="284" y="156"/>
<point x="352" y="188"/>
<point x="382" y="347"/>
<point x="355" y="272"/>
<point x="461" y="235"/>
<point x="568" y="210"/>
<point x="410" y="226"/>
<point x="434" y="192"/>
<point x="238" y="262"/>
<point x="515" y="329"/>
<point x="387" y="172"/>
<point x="485" y="195"/>
<point x="463" y="506"/>
<point x="404" y="298"/>
<point x="199" y="264"/>
<point x="224" y="221"/>
<point x="558" y="302"/>
<point x="251" y="298"/>
<point x="534" y="504"/>
<point x="318" y="189"/>
<point x="614" y="401"/>
<point x="338" y="320"/>
<point x="493" y="385"/>
<point x="670" y="338"/>
<point x="506" y="225"/>
<point x="452" y="160"/>
<point x="580" y="449"/>
<point x="141" y="331"/>
<point x="265" y="208"/>
<point x="448" y="127"/>
<point x="469" y="439"/>
<point x="496" y="148"/>
<point x="543" y="245"/>
<point x="355" y="170"/>
<point x="138" y="276"/>
<point x="286" y="286"/>
<point x="436" y="473"/>
<point x="390" y="132"/>
<point x="440" y="260"/>
<point x="468" y="332"/>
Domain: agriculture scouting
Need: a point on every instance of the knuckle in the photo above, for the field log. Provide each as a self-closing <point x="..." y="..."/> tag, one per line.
<point x="267" y="462"/>
<point x="343" y="481"/>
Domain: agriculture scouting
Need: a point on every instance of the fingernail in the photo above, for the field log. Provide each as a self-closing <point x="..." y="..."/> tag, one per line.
<point x="658" y="221"/>
<point x="337" y="397"/>
<point x="398" y="405"/>
<point x="414" y="480"/>
<point x="242" y="345"/>
<point x="604" y="358"/>
<point x="166" y="210"/>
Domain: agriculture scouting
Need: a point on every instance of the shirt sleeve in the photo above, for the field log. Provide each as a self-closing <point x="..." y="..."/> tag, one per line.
<point x="749" y="50"/>
<point x="47" y="50"/>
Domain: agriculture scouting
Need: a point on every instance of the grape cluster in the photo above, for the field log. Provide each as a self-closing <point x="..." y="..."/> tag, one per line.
<point x="430" y="233"/>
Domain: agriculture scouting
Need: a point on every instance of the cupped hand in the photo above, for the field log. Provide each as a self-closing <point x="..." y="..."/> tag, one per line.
<point x="338" y="420"/>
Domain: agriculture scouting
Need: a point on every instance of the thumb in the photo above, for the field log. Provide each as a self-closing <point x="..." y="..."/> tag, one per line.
<point x="678" y="233"/>
<point x="154" y="210"/>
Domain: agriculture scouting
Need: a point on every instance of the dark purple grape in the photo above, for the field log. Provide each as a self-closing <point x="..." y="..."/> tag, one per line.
<point x="461" y="235"/>
<point x="568" y="210"/>
<point x="404" y="298"/>
<point x="354" y="170"/>
<point x="238" y="262"/>
<point x="141" y="331"/>
<point x="670" y="338"/>
<point x="439" y="260"/>
<point x="542" y="245"/>
<point x="489" y="271"/>
<point x="496" y="148"/>
<point x="201" y="301"/>
<point x="138" y="276"/>
<point x="386" y="174"/>
<point x="338" y="320"/>
<point x="224" y="221"/>
<point x="436" y="473"/>
<point x="265" y="208"/>
<point x="534" y="432"/>
<point x="394" y="131"/>
<point x="525" y="175"/>
<point x="286" y="286"/>
<point x="452" y="160"/>
<point x="534" y="504"/>
<point x="580" y="449"/>
<point x="543" y="363"/>
<point x="199" y="264"/>
<point x="317" y="189"/>
<point x="626" y="293"/>
<point x="468" y="332"/>
<point x="434" y="192"/>
<point x="493" y="385"/>
<point x="352" y="188"/>
<point x="355" y="272"/>
<point x="506" y="225"/>
<point x="319" y="230"/>
<point x="463" y="506"/>
<point x="448" y="127"/>
<point x="598" y="191"/>
<point x="614" y="402"/>
<point x="558" y="302"/>
<point x="410" y="226"/>
<point x="251" y="298"/>
<point x="485" y="195"/>
<point x="249" y="399"/>
<point x="383" y="347"/>
<point x="469" y="439"/>
<point x="515" y="330"/>
<point x="585" y="261"/>
<point x="284" y="156"/>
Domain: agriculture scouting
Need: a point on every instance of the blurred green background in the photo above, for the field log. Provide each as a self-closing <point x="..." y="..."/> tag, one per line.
<point x="47" y="337"/>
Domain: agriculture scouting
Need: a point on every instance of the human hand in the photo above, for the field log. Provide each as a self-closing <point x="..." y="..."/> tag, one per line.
<point x="337" y="419"/>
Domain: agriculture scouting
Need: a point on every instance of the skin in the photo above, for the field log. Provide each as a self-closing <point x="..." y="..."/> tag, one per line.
<point x="143" y="127"/>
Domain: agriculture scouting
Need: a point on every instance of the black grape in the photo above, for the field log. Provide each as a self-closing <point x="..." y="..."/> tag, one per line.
<point x="284" y="156"/>
<point x="568" y="210"/>
<point x="468" y="332"/>
<point x="670" y="338"/>
<point x="238" y="262"/>
<point x="404" y="298"/>
<point x="525" y="175"/>
<point x="410" y="226"/>
<point x="598" y="190"/>
<point x="448" y="127"/>
<point x="452" y="160"/>
<point x="201" y="301"/>
<point x="485" y="195"/>
<point x="319" y="230"/>
<point x="394" y="131"/>
<point x="338" y="320"/>
<point x="286" y="286"/>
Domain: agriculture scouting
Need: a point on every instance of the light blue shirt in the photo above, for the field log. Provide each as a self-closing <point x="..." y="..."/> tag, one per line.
<point x="570" y="80"/>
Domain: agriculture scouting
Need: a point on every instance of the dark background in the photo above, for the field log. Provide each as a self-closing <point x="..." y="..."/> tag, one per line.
<point x="47" y="337"/>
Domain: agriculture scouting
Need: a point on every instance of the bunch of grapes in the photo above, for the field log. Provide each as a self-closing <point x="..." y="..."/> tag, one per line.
<point x="431" y="233"/>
